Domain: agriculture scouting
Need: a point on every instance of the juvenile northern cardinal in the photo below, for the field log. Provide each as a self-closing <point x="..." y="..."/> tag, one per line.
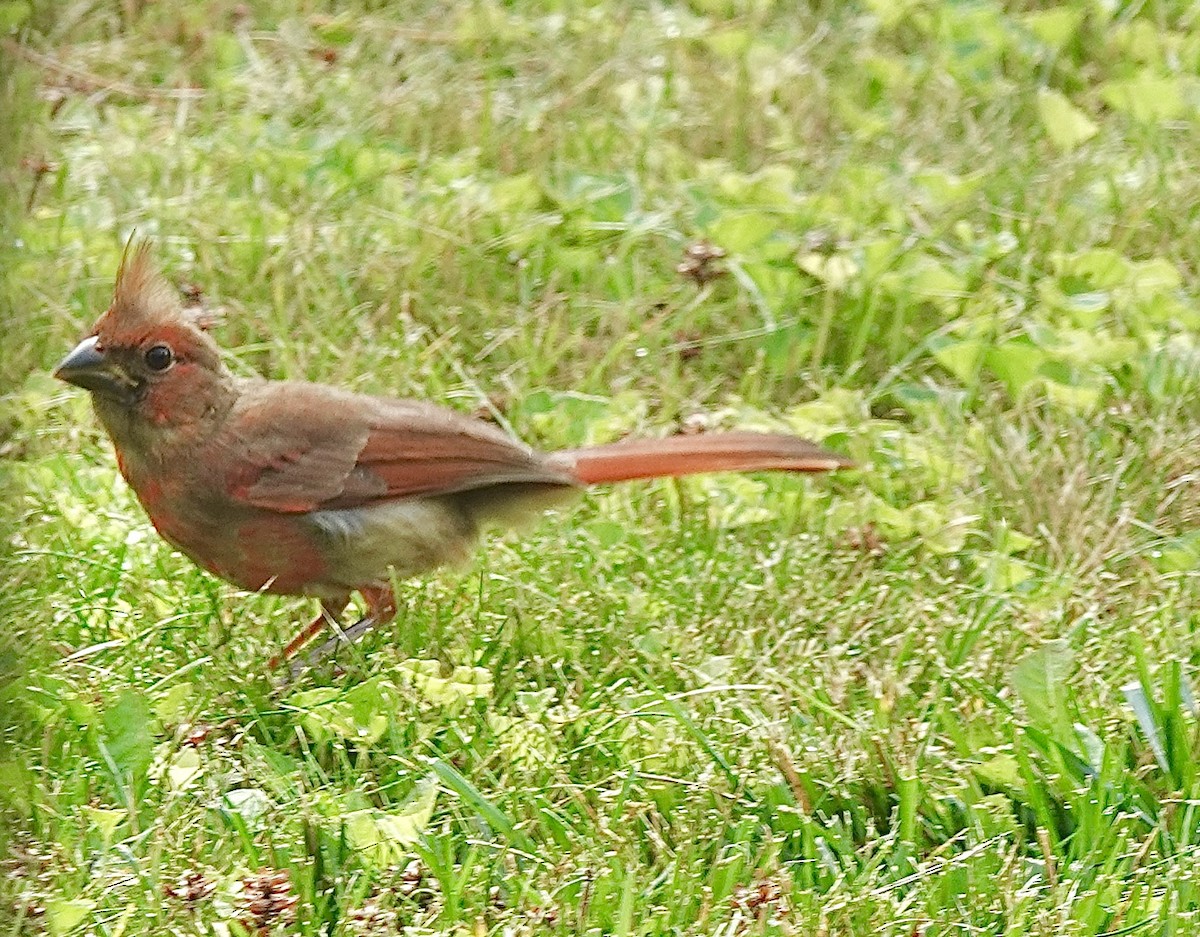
<point x="305" y="489"/>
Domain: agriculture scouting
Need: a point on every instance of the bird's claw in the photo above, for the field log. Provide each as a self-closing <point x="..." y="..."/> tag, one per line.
<point x="341" y="637"/>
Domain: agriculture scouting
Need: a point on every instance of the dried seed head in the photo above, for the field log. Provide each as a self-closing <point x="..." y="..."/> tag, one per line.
<point x="865" y="538"/>
<point x="191" y="887"/>
<point x="762" y="898"/>
<point x="703" y="252"/>
<point x="266" y="900"/>
<point x="688" y="343"/>
<point x="192" y="292"/>
<point x="698" y="264"/>
<point x="371" y="920"/>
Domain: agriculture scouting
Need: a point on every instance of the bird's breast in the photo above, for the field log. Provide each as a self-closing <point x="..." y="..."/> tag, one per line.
<point x="252" y="548"/>
<point x="323" y="552"/>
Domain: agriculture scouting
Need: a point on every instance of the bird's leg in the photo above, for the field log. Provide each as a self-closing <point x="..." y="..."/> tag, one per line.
<point x="327" y="618"/>
<point x="381" y="607"/>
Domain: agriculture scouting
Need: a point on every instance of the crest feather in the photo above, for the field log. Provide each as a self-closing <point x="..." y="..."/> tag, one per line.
<point x="143" y="295"/>
<point x="140" y="288"/>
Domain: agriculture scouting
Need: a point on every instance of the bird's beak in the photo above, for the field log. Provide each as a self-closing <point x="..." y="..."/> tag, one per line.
<point x="88" y="367"/>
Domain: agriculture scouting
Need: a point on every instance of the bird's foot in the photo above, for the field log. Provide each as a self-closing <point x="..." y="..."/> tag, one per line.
<point x="342" y="637"/>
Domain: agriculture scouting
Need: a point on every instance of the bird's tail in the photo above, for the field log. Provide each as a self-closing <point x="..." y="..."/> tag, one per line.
<point x="736" y="451"/>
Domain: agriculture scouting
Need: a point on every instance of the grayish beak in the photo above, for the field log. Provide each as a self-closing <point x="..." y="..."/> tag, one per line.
<point x="88" y="367"/>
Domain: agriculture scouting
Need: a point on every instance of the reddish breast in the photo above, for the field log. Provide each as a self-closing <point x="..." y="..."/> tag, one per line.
<point x="252" y="548"/>
<point x="278" y="553"/>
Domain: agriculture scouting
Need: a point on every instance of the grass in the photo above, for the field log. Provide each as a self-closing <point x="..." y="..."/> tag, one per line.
<point x="946" y="693"/>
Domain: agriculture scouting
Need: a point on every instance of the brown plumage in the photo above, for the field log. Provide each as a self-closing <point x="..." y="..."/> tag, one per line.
<point x="305" y="489"/>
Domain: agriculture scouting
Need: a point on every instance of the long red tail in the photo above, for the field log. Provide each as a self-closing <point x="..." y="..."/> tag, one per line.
<point x="736" y="451"/>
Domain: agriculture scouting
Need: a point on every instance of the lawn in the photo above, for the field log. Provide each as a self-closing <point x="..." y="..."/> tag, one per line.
<point x="947" y="692"/>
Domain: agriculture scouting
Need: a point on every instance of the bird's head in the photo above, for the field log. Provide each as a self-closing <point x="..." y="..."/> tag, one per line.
<point x="147" y="360"/>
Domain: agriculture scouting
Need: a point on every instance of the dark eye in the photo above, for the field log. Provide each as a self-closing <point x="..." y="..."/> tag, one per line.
<point x="159" y="358"/>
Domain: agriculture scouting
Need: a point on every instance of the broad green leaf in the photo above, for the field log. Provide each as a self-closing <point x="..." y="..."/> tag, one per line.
<point x="536" y="702"/>
<point x="249" y="803"/>
<point x="127" y="732"/>
<point x="931" y="279"/>
<point x="1141" y="40"/>
<point x="336" y="30"/>
<point x="1086" y="307"/>
<point x="572" y="419"/>
<point x="1018" y="542"/>
<point x="360" y="714"/>
<point x="608" y="533"/>
<point x="940" y="531"/>
<point x="184" y="768"/>
<point x="625" y="411"/>
<point x="1011" y="541"/>
<point x="773" y="187"/>
<point x="1074" y="398"/>
<point x="1055" y="26"/>
<point x="1164" y="308"/>
<point x="463" y="685"/>
<point x="316" y="706"/>
<point x="732" y="500"/>
<point x="1003" y="573"/>
<point x="1101" y="267"/>
<point x="893" y="522"/>
<point x="1154" y="275"/>
<point x="1095" y="347"/>
<point x="1041" y="679"/>
<point x="66" y="914"/>
<point x="1146" y="98"/>
<point x="836" y="271"/>
<point x="1016" y="364"/>
<point x="743" y="232"/>
<point x="13" y="13"/>
<point x="834" y="411"/>
<point x="960" y="358"/>
<point x="730" y="43"/>
<point x="601" y="198"/>
<point x="516" y="194"/>
<point x="1178" y="554"/>
<point x="880" y="255"/>
<point x="525" y="742"/>
<point x="1000" y="771"/>
<point x="382" y="836"/>
<point x="940" y="189"/>
<point x="368" y="707"/>
<point x="865" y="123"/>
<point x="173" y="707"/>
<point x="937" y="466"/>
<point x="775" y="287"/>
<point x="1065" y="124"/>
<point x="103" y="821"/>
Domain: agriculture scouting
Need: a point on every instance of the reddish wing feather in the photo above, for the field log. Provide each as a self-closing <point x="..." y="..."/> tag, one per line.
<point x="307" y="446"/>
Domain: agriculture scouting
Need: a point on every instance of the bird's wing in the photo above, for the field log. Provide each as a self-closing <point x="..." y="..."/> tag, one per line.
<point x="298" y="447"/>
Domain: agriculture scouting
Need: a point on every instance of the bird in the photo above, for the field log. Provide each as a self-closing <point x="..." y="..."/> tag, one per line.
<point x="306" y="489"/>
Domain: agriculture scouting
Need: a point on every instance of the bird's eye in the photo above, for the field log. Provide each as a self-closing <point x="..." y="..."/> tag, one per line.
<point x="159" y="358"/>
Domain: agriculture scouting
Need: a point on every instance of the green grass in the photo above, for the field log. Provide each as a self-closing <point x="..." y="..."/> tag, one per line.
<point x="946" y="693"/>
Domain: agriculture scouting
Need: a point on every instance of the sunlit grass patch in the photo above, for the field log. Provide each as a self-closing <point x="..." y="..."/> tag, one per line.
<point x="948" y="691"/>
